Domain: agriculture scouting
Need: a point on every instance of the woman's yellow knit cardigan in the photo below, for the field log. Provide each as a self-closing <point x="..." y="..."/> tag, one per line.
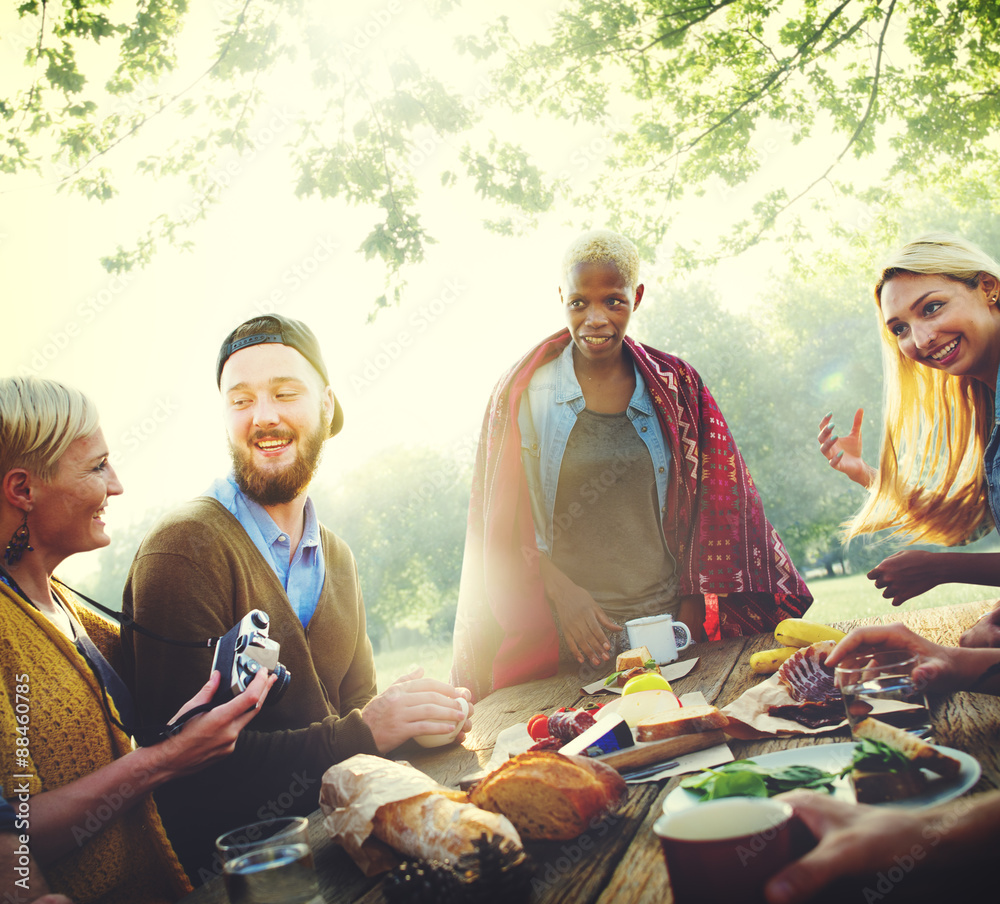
<point x="122" y="857"/>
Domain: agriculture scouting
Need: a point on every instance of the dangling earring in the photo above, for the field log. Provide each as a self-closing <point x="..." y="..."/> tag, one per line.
<point x="18" y="544"/>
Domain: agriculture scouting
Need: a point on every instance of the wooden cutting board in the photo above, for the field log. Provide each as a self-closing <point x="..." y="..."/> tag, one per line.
<point x="646" y="752"/>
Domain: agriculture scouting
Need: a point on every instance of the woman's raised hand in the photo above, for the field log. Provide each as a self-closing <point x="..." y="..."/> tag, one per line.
<point x="844" y="452"/>
<point x="212" y="734"/>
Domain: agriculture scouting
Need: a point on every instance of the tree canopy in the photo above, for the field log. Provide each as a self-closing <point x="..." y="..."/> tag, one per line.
<point x="688" y="99"/>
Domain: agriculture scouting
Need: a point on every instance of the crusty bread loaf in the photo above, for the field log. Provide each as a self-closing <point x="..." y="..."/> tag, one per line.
<point x="675" y="722"/>
<point x="915" y="749"/>
<point x="371" y="804"/>
<point x="548" y="795"/>
<point x="435" y="827"/>
<point x="632" y="659"/>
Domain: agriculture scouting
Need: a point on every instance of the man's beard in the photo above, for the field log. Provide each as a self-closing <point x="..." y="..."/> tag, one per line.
<point x="278" y="487"/>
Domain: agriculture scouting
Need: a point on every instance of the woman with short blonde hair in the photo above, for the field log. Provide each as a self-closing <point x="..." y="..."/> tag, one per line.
<point x="65" y="726"/>
<point x="607" y="488"/>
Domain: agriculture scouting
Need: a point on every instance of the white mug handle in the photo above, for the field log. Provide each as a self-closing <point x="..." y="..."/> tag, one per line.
<point x="681" y="631"/>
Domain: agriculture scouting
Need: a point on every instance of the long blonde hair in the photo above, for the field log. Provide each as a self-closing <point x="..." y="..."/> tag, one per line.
<point x="931" y="484"/>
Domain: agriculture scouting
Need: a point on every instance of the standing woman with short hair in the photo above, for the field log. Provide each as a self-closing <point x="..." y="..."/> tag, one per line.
<point x="607" y="487"/>
<point x="938" y="479"/>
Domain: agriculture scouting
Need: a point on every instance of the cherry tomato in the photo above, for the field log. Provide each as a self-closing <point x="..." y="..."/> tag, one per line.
<point x="538" y="726"/>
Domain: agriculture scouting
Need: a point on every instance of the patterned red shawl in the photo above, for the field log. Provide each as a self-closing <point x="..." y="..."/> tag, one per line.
<point x="715" y="526"/>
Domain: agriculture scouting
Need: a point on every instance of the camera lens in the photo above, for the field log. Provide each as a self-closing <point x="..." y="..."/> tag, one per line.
<point x="283" y="678"/>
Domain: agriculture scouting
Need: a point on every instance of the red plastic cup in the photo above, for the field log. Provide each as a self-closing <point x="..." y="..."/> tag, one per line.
<point x="725" y="850"/>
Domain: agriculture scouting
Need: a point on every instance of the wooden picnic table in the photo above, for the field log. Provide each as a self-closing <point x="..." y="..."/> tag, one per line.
<point x="620" y="860"/>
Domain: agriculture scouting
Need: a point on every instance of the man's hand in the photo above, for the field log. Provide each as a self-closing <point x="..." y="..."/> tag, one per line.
<point x="413" y="705"/>
<point x="583" y="622"/>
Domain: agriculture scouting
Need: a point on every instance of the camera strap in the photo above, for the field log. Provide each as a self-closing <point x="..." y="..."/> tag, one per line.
<point x="148" y="736"/>
<point x="126" y="621"/>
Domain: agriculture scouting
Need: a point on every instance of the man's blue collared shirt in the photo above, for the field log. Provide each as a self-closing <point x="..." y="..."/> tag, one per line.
<point x="546" y="417"/>
<point x="303" y="576"/>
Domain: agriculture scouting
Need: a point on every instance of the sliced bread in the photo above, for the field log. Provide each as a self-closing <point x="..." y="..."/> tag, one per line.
<point x="675" y="722"/>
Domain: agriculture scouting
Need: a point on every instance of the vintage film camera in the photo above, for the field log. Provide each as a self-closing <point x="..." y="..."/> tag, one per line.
<point x="241" y="652"/>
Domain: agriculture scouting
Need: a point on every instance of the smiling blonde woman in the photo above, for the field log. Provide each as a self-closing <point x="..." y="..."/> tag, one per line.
<point x="65" y="715"/>
<point x="938" y="479"/>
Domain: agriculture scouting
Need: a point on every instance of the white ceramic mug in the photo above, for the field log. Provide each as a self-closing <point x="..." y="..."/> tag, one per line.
<point x="660" y="634"/>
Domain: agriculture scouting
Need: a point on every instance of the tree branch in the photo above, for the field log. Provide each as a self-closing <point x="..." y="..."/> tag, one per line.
<point x="215" y="64"/>
<point x="872" y="97"/>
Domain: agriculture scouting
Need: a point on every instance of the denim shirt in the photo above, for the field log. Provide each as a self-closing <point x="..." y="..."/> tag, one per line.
<point x="546" y="417"/>
<point x="303" y="576"/>
<point x="991" y="461"/>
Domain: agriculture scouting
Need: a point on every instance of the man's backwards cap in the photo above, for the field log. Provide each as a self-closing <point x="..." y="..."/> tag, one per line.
<point x="284" y="331"/>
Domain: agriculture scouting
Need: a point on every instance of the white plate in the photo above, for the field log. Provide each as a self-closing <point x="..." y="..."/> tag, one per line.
<point x="833" y="758"/>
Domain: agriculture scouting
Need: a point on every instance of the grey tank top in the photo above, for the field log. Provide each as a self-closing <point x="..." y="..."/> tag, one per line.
<point x="607" y="525"/>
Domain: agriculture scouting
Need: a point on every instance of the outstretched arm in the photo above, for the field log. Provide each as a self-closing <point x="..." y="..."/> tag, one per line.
<point x="860" y="841"/>
<point x="911" y="572"/>
<point x="204" y="739"/>
<point x="941" y="670"/>
<point x="844" y="452"/>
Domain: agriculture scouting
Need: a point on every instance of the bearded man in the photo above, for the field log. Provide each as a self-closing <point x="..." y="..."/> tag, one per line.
<point x="253" y="541"/>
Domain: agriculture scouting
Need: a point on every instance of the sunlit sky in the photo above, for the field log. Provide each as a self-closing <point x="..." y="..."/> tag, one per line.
<point x="143" y="346"/>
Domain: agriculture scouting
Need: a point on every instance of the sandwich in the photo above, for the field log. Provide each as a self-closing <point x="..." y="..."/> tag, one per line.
<point x="632" y="663"/>
<point x="889" y="763"/>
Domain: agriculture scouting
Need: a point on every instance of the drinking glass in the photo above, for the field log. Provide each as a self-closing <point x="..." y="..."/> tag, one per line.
<point x="275" y="874"/>
<point x="267" y="833"/>
<point x="880" y="686"/>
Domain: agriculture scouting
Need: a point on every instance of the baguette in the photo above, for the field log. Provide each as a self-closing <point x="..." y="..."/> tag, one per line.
<point x="676" y="722"/>
<point x="435" y="827"/>
<point x="371" y="805"/>
<point x="549" y="795"/>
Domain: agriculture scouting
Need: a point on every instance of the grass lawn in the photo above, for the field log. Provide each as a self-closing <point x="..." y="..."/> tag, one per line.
<point x="836" y="599"/>
<point x="434" y="656"/>
<point x="854" y="596"/>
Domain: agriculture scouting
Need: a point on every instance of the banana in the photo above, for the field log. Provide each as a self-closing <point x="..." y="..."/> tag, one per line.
<point x="797" y="632"/>
<point x="767" y="661"/>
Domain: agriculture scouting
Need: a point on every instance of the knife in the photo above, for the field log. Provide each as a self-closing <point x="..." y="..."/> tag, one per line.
<point x="647" y="771"/>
